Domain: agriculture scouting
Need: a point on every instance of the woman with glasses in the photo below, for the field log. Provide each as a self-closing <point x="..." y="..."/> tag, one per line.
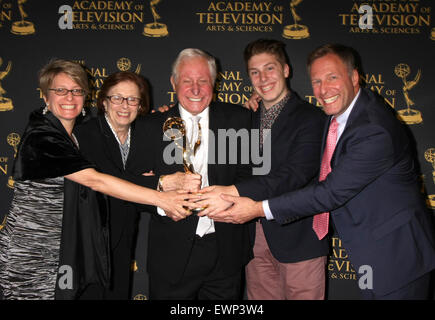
<point x="55" y="241"/>
<point x="110" y="141"/>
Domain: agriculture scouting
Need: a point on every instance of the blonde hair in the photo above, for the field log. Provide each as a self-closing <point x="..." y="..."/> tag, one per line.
<point x="74" y="70"/>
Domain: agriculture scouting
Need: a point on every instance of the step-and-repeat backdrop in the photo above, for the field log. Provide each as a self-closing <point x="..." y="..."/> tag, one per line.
<point x="395" y="38"/>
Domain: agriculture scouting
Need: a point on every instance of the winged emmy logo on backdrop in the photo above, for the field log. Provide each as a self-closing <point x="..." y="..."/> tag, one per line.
<point x="22" y="27"/>
<point x="155" y="29"/>
<point x="408" y="115"/>
<point x="296" y="30"/>
<point x="13" y="140"/>
<point x="5" y="103"/>
<point x="429" y="155"/>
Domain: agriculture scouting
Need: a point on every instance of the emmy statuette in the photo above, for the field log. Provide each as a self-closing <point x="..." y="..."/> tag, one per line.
<point x="174" y="129"/>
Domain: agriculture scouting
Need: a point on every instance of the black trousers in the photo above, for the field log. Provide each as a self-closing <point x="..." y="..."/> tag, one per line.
<point x="202" y="279"/>
<point x="121" y="275"/>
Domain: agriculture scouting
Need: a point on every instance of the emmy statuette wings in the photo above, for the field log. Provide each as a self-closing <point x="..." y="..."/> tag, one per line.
<point x="174" y="128"/>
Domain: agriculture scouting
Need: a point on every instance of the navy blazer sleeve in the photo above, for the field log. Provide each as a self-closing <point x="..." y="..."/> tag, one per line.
<point x="294" y="156"/>
<point x="367" y="153"/>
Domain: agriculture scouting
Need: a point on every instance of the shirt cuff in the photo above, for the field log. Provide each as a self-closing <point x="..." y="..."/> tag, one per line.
<point x="266" y="210"/>
<point x="161" y="212"/>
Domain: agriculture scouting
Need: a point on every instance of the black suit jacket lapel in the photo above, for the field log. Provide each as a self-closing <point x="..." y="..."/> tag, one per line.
<point x="111" y="147"/>
<point x="214" y="121"/>
<point x="354" y="115"/>
<point x="324" y="137"/>
<point x="133" y="144"/>
<point x="256" y="119"/>
<point x="282" y="120"/>
<point x="357" y="109"/>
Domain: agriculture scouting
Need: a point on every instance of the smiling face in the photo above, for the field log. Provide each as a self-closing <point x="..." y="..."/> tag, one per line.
<point x="268" y="76"/>
<point x="65" y="108"/>
<point x="194" y="84"/>
<point x="122" y="115"/>
<point x="334" y="86"/>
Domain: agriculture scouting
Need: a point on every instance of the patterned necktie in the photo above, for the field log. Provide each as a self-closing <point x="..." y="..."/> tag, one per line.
<point x="205" y="224"/>
<point x="321" y="220"/>
<point x="194" y="143"/>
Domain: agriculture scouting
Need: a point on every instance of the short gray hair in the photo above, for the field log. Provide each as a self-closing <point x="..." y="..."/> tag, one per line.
<point x="190" y="53"/>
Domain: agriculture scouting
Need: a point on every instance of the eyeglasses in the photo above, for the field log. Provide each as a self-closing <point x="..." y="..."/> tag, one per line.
<point x="64" y="92"/>
<point x="131" y="101"/>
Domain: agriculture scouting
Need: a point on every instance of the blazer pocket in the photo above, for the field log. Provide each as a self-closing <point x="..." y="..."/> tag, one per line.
<point x="393" y="223"/>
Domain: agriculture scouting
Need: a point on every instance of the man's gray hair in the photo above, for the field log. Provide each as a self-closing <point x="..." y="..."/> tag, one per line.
<point x="190" y="53"/>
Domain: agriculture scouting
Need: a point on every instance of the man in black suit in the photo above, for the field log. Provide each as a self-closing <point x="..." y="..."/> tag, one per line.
<point x="191" y="257"/>
<point x="371" y="194"/>
<point x="289" y="260"/>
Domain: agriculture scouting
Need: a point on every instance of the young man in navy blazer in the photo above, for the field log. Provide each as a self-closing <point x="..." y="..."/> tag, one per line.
<point x="289" y="261"/>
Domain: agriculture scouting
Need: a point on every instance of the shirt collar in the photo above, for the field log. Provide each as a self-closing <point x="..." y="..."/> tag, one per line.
<point x="186" y="114"/>
<point x="342" y="118"/>
<point x="277" y="106"/>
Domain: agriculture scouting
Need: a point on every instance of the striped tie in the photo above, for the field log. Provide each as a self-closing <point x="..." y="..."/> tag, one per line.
<point x="321" y="220"/>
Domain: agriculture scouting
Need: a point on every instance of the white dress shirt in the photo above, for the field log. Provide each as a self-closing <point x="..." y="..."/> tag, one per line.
<point x="200" y="162"/>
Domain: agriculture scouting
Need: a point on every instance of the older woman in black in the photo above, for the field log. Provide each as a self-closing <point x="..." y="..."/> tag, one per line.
<point x="110" y="141"/>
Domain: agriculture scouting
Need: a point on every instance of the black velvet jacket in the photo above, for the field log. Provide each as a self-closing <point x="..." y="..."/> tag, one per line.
<point x="46" y="151"/>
